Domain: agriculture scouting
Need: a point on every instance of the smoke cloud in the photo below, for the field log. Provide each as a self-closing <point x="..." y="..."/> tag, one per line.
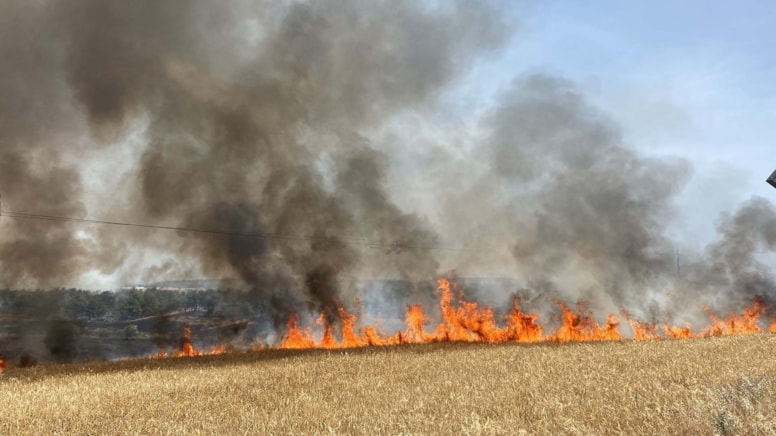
<point x="594" y="212"/>
<point x="242" y="104"/>
<point x="254" y="117"/>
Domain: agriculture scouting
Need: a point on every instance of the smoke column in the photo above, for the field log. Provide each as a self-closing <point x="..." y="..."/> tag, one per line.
<point x="267" y="117"/>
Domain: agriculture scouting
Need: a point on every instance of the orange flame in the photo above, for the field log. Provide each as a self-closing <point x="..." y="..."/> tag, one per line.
<point x="465" y="321"/>
<point x="642" y="331"/>
<point x="678" y="333"/>
<point x="297" y="338"/>
<point x="221" y="349"/>
<point x="737" y="324"/>
<point x="349" y="337"/>
<point x="522" y="327"/>
<point x="415" y="320"/>
<point x="579" y="326"/>
<point x="610" y="332"/>
<point x="187" y="350"/>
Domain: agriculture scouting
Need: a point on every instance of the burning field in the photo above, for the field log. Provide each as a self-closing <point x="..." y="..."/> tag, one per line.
<point x="296" y="150"/>
<point x="471" y="372"/>
<point x="378" y="231"/>
<point x="468" y="322"/>
<point x="453" y="320"/>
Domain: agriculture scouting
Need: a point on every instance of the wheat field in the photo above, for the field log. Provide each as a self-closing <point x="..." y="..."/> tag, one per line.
<point x="705" y="386"/>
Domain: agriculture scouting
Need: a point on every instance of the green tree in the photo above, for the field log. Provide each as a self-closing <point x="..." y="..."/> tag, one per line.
<point x="131" y="332"/>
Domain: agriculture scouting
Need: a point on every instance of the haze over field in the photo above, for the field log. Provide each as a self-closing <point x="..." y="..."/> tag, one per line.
<point x="385" y="140"/>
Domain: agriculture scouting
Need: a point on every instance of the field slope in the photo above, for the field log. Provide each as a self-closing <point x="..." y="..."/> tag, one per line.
<point x="718" y="385"/>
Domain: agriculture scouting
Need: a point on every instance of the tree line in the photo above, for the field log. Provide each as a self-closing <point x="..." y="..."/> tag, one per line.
<point x="118" y="305"/>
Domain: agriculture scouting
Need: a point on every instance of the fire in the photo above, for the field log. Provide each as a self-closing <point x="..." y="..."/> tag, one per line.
<point x="328" y="340"/>
<point x="678" y="333"/>
<point x="349" y="337"/>
<point x="610" y="332"/>
<point x="522" y="327"/>
<point x="187" y="350"/>
<point x="579" y="326"/>
<point x="737" y="324"/>
<point x="462" y="321"/>
<point x="415" y="320"/>
<point x="297" y="338"/>
<point x="466" y="321"/>
<point x="221" y="349"/>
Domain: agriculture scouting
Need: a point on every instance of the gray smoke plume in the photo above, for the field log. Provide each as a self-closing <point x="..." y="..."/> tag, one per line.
<point x="583" y="215"/>
<point x="732" y="273"/>
<point x="259" y="117"/>
<point x="33" y="121"/>
<point x="586" y="216"/>
<point x="253" y="118"/>
<point x="594" y="212"/>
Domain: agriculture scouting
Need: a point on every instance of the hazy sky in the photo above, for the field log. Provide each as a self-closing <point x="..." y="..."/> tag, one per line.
<point x="693" y="79"/>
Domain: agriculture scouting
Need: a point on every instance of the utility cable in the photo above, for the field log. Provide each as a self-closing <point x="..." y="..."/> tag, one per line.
<point x="261" y="235"/>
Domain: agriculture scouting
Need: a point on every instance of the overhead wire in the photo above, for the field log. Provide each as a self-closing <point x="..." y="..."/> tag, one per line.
<point x="260" y="235"/>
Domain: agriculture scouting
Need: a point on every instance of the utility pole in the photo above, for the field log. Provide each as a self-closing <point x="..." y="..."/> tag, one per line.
<point x="678" y="268"/>
<point x="772" y="179"/>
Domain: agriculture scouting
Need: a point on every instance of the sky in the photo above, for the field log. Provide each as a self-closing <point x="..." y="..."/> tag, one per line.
<point x="692" y="79"/>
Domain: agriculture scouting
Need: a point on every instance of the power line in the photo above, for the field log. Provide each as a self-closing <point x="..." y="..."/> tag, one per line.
<point x="260" y="235"/>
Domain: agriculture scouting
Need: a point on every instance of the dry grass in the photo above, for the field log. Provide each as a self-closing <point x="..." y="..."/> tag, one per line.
<point x="718" y="385"/>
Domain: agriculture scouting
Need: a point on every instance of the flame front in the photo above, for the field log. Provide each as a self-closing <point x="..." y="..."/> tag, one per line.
<point x="297" y="338"/>
<point x="579" y="326"/>
<point x="737" y="324"/>
<point x="465" y="321"/>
